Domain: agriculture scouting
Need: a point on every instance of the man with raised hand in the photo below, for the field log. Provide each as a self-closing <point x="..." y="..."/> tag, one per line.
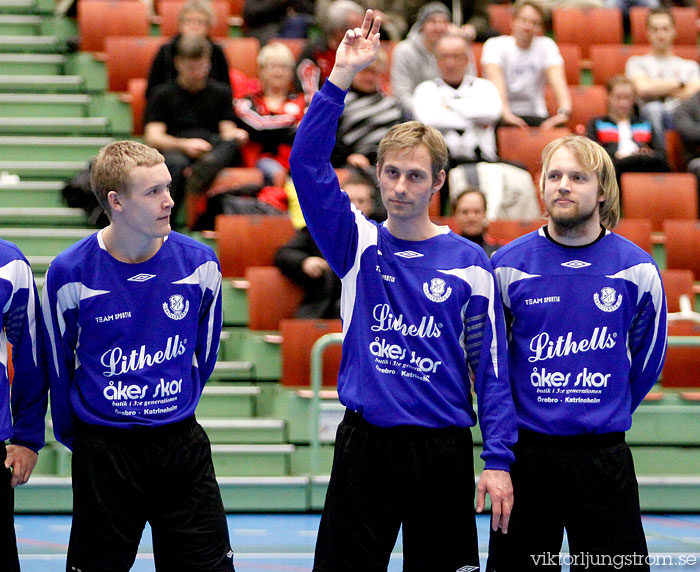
<point x="420" y="313"/>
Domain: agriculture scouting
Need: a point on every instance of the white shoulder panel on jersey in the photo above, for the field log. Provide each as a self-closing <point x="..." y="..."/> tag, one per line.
<point x="646" y="277"/>
<point x="208" y="276"/>
<point x="506" y="275"/>
<point x="367" y="235"/>
<point x="19" y="274"/>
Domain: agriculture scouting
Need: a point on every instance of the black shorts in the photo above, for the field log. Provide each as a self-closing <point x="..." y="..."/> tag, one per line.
<point x="584" y="484"/>
<point x="9" y="560"/>
<point x="123" y="478"/>
<point x="417" y="477"/>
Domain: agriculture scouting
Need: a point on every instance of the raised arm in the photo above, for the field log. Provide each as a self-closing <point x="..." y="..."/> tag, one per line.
<point x="358" y="49"/>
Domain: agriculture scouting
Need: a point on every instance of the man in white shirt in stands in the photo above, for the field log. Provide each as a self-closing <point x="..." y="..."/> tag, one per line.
<point x="521" y="65"/>
<point x="661" y="79"/>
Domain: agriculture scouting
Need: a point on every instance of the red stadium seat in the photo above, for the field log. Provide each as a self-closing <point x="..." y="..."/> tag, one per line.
<point x="525" y="145"/>
<point x="508" y="230"/>
<point x="681" y="365"/>
<point x="129" y="58"/>
<point x="683" y="245"/>
<point x="298" y="337"/>
<point x="250" y="240"/>
<point x="659" y="196"/>
<point x="501" y="17"/>
<point x="637" y="230"/>
<point x="587" y="26"/>
<point x="271" y="297"/>
<point x="677" y="283"/>
<point x="98" y="19"/>
<point x="137" y="99"/>
<point x="587" y="102"/>
<point x="242" y="54"/>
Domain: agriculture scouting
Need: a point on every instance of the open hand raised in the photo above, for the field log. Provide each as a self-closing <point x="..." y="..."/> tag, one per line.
<point x="358" y="49"/>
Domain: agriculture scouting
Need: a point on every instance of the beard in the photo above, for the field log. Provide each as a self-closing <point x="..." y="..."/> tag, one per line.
<point x="573" y="220"/>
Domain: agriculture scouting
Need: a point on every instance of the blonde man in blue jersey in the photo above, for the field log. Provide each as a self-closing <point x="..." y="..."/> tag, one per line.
<point x="587" y="337"/>
<point x="133" y="314"/>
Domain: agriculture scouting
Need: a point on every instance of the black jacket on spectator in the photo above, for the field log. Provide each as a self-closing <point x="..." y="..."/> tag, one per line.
<point x="163" y="66"/>
<point x="322" y="295"/>
<point x="188" y="114"/>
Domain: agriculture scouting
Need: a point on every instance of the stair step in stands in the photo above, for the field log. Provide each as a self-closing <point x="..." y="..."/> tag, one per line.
<point x="44" y="241"/>
<point x="32" y="64"/>
<point x="54" y="125"/>
<point x="31" y="193"/>
<point x="244" y="431"/>
<point x="42" y="83"/>
<point x="219" y="401"/>
<point x="42" y="216"/>
<point x="31" y="44"/>
<point x="252" y="460"/>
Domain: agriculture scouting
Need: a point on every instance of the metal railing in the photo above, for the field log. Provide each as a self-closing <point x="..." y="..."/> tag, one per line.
<point x="316" y="381"/>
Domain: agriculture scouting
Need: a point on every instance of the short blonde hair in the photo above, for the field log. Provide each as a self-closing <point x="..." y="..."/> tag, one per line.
<point x="593" y="159"/>
<point x="275" y="51"/>
<point x="111" y="169"/>
<point x="411" y="134"/>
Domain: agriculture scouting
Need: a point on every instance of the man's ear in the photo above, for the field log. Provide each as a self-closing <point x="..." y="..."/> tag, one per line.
<point x="438" y="182"/>
<point x="113" y="201"/>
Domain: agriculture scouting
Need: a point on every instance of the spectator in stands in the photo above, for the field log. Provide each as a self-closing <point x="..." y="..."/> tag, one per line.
<point x="317" y="59"/>
<point x="661" y="79"/>
<point x="191" y="122"/>
<point x="626" y="137"/>
<point x="268" y="19"/>
<point x="271" y="117"/>
<point x="196" y="19"/>
<point x="469" y="211"/>
<point x="687" y="122"/>
<point x="413" y="60"/>
<point x="369" y="113"/>
<point x="471" y="16"/>
<point x="466" y="109"/>
<point x="301" y="259"/>
<point x="522" y="64"/>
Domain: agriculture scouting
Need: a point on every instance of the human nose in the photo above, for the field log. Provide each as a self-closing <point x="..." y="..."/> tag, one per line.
<point x="168" y="202"/>
<point x="400" y="187"/>
<point x="564" y="184"/>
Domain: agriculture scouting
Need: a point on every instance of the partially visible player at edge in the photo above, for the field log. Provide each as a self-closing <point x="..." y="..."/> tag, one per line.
<point x="420" y="310"/>
<point x="22" y="401"/>
<point x="133" y="314"/>
<point x="586" y="312"/>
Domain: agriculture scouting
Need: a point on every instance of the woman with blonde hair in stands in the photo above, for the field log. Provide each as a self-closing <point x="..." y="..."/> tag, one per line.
<point x="196" y="20"/>
<point x="271" y="116"/>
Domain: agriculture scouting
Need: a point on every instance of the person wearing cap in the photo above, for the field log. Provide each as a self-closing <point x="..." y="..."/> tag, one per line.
<point x="413" y="60"/>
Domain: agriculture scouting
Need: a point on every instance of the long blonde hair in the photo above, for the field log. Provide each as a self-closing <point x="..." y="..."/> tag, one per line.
<point x="594" y="159"/>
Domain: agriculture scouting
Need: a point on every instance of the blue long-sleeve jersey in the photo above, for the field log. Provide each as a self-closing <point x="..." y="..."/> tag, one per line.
<point x="20" y="324"/>
<point x="130" y="345"/>
<point x="417" y="315"/>
<point x="587" y="335"/>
